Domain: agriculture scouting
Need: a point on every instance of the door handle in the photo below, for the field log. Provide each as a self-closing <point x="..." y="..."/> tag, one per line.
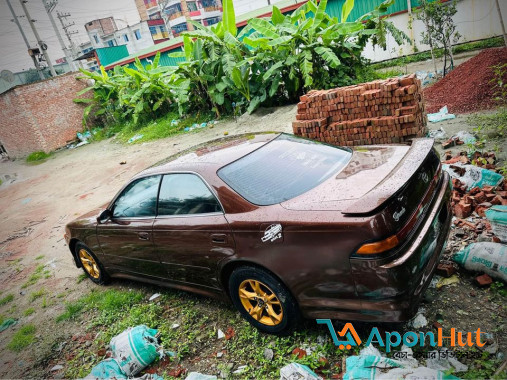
<point x="219" y="238"/>
<point x="143" y="235"/>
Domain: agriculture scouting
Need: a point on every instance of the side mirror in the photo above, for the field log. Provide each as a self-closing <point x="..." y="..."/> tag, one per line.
<point x="104" y="216"/>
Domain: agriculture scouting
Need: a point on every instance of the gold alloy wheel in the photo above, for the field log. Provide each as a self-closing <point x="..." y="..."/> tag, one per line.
<point x="89" y="263"/>
<point x="260" y="302"/>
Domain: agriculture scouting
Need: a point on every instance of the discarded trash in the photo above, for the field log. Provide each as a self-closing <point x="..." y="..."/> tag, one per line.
<point x="7" y="323"/>
<point x="123" y="162"/>
<point x="26" y="201"/>
<point x="84" y="136"/>
<point x="454" y="279"/>
<point x="490" y="258"/>
<point x="240" y="369"/>
<point x="370" y="364"/>
<point x="466" y="137"/>
<point x="135" y="348"/>
<point x="57" y="368"/>
<point x="174" y="122"/>
<point x="154" y="296"/>
<point x="472" y="175"/>
<point x="441" y="115"/>
<point x="438" y="134"/>
<point x="135" y="138"/>
<point x="221" y="334"/>
<point x="497" y="216"/>
<point x="443" y="361"/>
<point x="268" y="354"/>
<point x="226" y="133"/>
<point x="419" y="321"/>
<point x="175" y="326"/>
<point x="106" y="369"/>
<point x="199" y="376"/>
<point x="296" y="371"/>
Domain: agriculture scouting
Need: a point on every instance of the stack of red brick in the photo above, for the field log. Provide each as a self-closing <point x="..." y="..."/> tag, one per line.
<point x="477" y="199"/>
<point x="378" y="112"/>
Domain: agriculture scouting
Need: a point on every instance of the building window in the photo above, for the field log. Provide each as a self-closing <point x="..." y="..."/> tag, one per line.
<point x="96" y="38"/>
<point x="212" y="20"/>
<point x="111" y="43"/>
<point x="180" y="28"/>
<point x="125" y="38"/>
<point x="192" y="7"/>
<point x="137" y="33"/>
<point x="153" y="30"/>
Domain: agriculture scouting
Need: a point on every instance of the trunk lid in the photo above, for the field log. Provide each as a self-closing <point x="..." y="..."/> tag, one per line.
<point x="374" y="178"/>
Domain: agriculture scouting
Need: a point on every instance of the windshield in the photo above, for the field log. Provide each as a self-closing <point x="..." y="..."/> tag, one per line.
<point x="283" y="169"/>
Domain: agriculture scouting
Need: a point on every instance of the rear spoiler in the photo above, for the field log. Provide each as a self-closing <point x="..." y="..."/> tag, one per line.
<point x="395" y="182"/>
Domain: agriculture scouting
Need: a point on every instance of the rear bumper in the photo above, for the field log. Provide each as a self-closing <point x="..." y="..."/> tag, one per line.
<point x="391" y="290"/>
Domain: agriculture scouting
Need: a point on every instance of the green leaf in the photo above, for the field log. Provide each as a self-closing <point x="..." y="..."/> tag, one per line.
<point x="280" y="41"/>
<point x="154" y="65"/>
<point x="263" y="26"/>
<point x="254" y="104"/>
<point x="328" y="55"/>
<point x="307" y="68"/>
<point x="271" y="70"/>
<point x="321" y="11"/>
<point x="274" y="86"/>
<point x="221" y="86"/>
<point x="277" y="17"/>
<point x="228" y="17"/>
<point x="187" y="47"/>
<point x="82" y="100"/>
<point x="85" y="90"/>
<point x="346" y="9"/>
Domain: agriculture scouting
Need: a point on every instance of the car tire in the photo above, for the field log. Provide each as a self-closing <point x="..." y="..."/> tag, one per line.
<point x="263" y="300"/>
<point x="90" y="264"/>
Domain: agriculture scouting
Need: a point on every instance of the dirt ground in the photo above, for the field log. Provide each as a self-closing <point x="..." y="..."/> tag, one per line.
<point x="36" y="201"/>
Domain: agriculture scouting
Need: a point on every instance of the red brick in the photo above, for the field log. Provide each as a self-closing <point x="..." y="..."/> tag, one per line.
<point x="445" y="270"/>
<point x="462" y="210"/>
<point x="483" y="280"/>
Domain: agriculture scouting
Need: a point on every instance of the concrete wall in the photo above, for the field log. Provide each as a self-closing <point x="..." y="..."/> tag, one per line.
<point x="40" y="116"/>
<point x="475" y="20"/>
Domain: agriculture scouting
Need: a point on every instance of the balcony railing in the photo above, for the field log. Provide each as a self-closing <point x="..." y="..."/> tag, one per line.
<point x="175" y="15"/>
<point x="212" y="8"/>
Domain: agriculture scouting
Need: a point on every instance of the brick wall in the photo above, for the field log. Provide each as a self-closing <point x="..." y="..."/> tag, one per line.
<point x="378" y="112"/>
<point x="40" y="116"/>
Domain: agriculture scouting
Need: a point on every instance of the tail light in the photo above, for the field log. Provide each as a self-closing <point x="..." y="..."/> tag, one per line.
<point x="391" y="242"/>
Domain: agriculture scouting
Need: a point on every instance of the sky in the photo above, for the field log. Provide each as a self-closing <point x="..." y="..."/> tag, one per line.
<point x="13" y="51"/>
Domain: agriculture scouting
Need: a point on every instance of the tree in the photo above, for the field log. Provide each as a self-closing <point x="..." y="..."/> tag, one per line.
<point x="440" y="28"/>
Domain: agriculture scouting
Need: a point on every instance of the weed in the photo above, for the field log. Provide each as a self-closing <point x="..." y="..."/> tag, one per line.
<point x="29" y="311"/>
<point x="491" y="125"/>
<point x="22" y="338"/>
<point x="40" y="257"/>
<point x="36" y="276"/>
<point x="37" y="156"/>
<point x="5" y="300"/>
<point x="81" y="278"/>
<point x="499" y="288"/>
<point x="37" y="294"/>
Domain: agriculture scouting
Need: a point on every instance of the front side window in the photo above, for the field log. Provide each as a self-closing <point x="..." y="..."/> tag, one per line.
<point x="282" y="169"/>
<point x="185" y="194"/>
<point x="137" y="33"/>
<point x="139" y="199"/>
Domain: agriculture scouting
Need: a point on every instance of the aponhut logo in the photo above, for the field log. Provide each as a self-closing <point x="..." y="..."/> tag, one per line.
<point x="409" y="339"/>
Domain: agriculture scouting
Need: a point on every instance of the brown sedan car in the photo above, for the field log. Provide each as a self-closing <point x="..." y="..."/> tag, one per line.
<point x="281" y="225"/>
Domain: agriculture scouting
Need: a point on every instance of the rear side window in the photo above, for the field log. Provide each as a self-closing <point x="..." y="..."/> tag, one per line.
<point x="185" y="194"/>
<point x="282" y="169"/>
<point x="139" y="199"/>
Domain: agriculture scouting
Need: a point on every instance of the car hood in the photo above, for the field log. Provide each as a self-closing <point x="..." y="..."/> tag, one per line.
<point x="367" y="169"/>
<point x="88" y="219"/>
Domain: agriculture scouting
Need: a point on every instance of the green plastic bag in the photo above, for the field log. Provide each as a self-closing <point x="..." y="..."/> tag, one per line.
<point x="107" y="369"/>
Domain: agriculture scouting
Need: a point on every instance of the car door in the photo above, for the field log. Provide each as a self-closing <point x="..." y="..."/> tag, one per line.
<point x="190" y="233"/>
<point x="126" y="239"/>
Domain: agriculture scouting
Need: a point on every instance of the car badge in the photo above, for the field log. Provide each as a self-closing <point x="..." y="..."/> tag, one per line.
<point x="397" y="215"/>
<point x="272" y="233"/>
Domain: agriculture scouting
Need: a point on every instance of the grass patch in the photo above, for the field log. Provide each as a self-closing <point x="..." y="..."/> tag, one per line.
<point x="5" y="300"/>
<point x="29" y="311"/>
<point x="22" y="338"/>
<point x="35" y="276"/>
<point x="35" y="295"/>
<point x="156" y="129"/>
<point x="40" y="257"/>
<point x="424" y="56"/>
<point x="37" y="156"/>
<point x="81" y="278"/>
<point x="107" y="303"/>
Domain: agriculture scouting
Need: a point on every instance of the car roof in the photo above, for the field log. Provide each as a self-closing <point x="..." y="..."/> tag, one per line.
<point x="211" y="156"/>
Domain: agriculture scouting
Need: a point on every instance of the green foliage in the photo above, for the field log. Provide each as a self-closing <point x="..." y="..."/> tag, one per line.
<point x="5" y="300"/>
<point x="37" y="156"/>
<point x="440" y="27"/>
<point x="35" y="276"/>
<point x="499" y="83"/>
<point x="490" y="125"/>
<point x="40" y="257"/>
<point x="108" y="303"/>
<point x="29" y="311"/>
<point x="22" y="338"/>
<point x="270" y="62"/>
<point x="81" y="278"/>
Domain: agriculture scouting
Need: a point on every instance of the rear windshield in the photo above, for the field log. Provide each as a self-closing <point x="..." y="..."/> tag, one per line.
<point x="283" y="169"/>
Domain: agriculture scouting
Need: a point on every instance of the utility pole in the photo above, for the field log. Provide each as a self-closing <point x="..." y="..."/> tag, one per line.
<point x="50" y="6"/>
<point x="42" y="45"/>
<point x="34" y="58"/>
<point x="501" y="22"/>
<point x="68" y="33"/>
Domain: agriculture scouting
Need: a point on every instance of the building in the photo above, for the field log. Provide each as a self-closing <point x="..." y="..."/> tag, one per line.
<point x="105" y="33"/>
<point x="176" y="13"/>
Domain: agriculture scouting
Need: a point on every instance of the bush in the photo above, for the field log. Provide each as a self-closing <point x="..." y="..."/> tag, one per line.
<point x="37" y="156"/>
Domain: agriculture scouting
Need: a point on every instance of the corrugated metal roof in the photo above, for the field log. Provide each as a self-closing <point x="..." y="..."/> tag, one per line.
<point x="111" y="54"/>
